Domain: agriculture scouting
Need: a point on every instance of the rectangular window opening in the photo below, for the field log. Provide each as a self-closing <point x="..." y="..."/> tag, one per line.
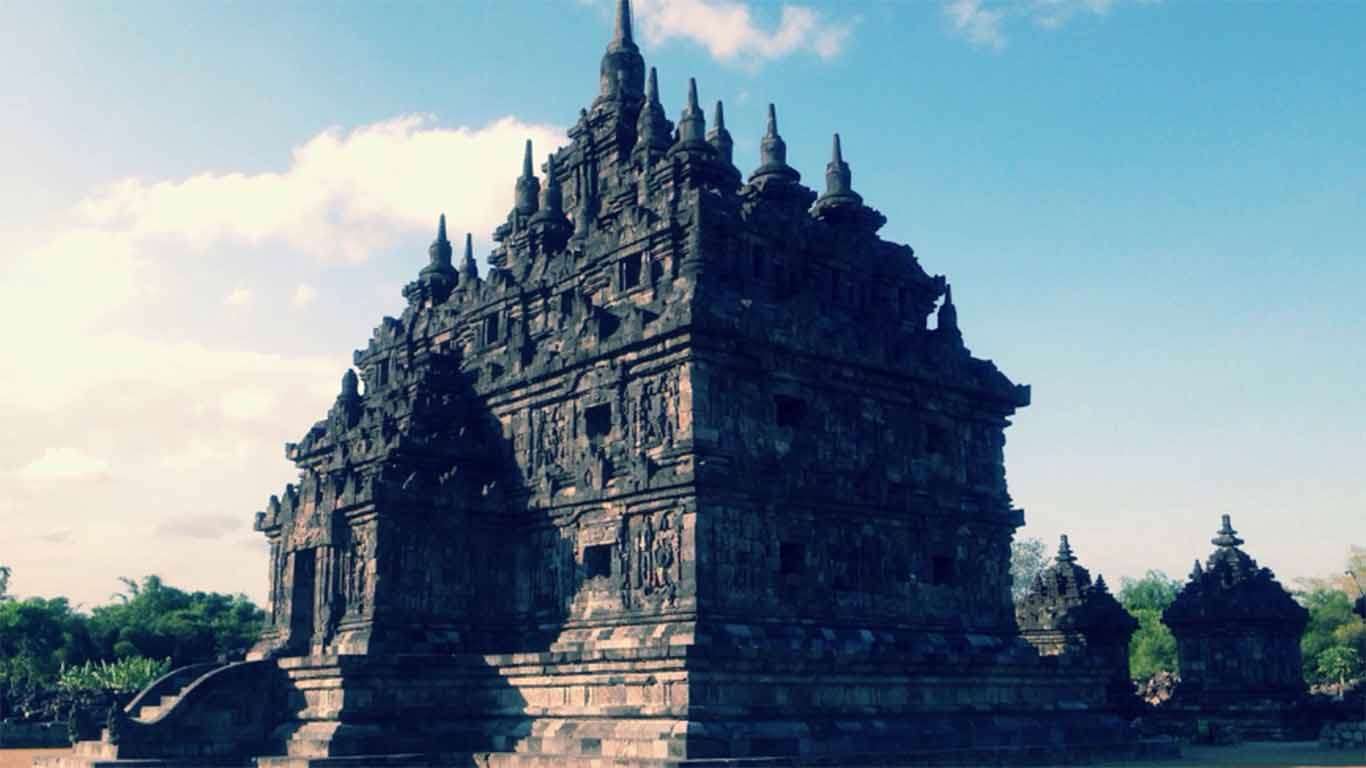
<point x="491" y="329"/>
<point x="791" y="558"/>
<point x="789" y="411"/>
<point x="567" y="303"/>
<point x="597" y="420"/>
<point x="630" y="271"/>
<point x="597" y="561"/>
<point x="941" y="570"/>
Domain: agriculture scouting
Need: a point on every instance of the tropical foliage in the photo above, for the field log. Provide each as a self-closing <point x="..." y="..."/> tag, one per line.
<point x="1153" y="647"/>
<point x="50" y="652"/>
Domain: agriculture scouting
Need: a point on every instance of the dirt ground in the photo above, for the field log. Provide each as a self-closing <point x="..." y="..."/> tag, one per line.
<point x="1259" y="754"/>
<point x="23" y="758"/>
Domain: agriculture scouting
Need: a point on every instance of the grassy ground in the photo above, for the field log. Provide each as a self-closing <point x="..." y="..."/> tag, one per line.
<point x="1300" y="754"/>
<point x="1258" y="754"/>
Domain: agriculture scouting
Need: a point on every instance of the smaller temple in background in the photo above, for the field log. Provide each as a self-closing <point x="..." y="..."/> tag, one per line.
<point x="1065" y="614"/>
<point x="1238" y="646"/>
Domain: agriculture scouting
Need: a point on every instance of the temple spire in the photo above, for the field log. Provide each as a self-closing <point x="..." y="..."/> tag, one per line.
<point x="652" y="129"/>
<point x="623" y="69"/>
<point x="469" y="270"/>
<point x="1227" y="537"/>
<point x="948" y="313"/>
<point x="439" y="252"/>
<point x="692" y="126"/>
<point x="773" y="154"/>
<point x="528" y="186"/>
<point x="621" y="35"/>
<point x="720" y="137"/>
<point x="1065" y="555"/>
<point x="838" y="180"/>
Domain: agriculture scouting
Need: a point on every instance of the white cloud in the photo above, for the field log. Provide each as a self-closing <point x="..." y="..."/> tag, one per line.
<point x="64" y="464"/>
<point x="983" y="22"/>
<point x="126" y="405"/>
<point x="345" y="194"/>
<point x="304" y="295"/>
<point x="730" y="32"/>
<point x="238" y="297"/>
<point x="979" y="25"/>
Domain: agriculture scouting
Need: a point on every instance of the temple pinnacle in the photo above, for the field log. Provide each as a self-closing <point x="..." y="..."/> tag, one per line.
<point x="1227" y="537"/>
<point x="1064" y="550"/>
<point x="652" y="127"/>
<point x="652" y="87"/>
<point x="838" y="180"/>
<point x="528" y="188"/>
<point x="773" y="154"/>
<point x="621" y="35"/>
<point x="720" y="137"/>
<point x="439" y="252"/>
<point x="947" y="317"/>
<point x="692" y="126"/>
<point x="469" y="270"/>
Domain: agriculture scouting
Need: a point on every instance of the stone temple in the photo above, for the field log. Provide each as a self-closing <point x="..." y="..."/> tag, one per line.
<point x="685" y="476"/>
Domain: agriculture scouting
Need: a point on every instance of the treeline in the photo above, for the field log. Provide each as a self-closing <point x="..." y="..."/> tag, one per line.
<point x="51" y="652"/>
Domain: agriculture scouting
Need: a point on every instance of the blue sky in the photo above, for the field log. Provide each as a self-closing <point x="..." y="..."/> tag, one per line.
<point x="1152" y="212"/>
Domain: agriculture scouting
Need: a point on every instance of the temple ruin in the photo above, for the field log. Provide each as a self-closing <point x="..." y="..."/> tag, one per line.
<point x="700" y="468"/>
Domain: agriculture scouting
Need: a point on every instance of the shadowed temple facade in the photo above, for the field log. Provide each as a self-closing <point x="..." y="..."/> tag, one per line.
<point x="687" y="473"/>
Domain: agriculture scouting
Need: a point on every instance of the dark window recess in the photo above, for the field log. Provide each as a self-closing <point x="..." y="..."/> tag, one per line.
<point x="937" y="440"/>
<point x="567" y="303"/>
<point x="791" y="558"/>
<point x="630" y="271"/>
<point x="597" y="420"/>
<point x="597" y="560"/>
<point x="789" y="411"/>
<point x="491" y="329"/>
<point x="941" y="570"/>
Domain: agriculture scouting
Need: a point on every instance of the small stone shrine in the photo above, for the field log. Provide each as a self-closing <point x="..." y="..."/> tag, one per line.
<point x="1066" y="615"/>
<point x="686" y="477"/>
<point x="1238" y="646"/>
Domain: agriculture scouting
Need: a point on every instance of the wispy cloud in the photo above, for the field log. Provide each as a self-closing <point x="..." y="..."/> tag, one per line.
<point x="983" y="22"/>
<point x="304" y="295"/>
<point x="238" y="297"/>
<point x="118" y="410"/>
<point x="733" y="32"/>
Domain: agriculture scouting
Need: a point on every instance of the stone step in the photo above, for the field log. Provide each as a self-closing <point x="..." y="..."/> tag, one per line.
<point x="149" y="712"/>
<point x="169" y="701"/>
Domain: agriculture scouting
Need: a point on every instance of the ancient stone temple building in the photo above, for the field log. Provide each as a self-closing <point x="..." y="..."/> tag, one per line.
<point x="1065" y="614"/>
<point x="687" y="473"/>
<point x="1238" y="643"/>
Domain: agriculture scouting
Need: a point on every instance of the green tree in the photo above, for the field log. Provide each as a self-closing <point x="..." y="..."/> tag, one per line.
<point x="1338" y="663"/>
<point x="1153" y="647"/>
<point x="1026" y="562"/>
<point x="1332" y="623"/>
<point x="155" y="620"/>
<point x="4" y="582"/>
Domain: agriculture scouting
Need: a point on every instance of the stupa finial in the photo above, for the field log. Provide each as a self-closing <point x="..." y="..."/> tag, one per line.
<point x="528" y="186"/>
<point x="773" y="154"/>
<point x="692" y="126"/>
<point x="720" y="137"/>
<point x="1227" y="537"/>
<point x="1065" y="552"/>
<point x="621" y="34"/>
<point x="469" y="270"/>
